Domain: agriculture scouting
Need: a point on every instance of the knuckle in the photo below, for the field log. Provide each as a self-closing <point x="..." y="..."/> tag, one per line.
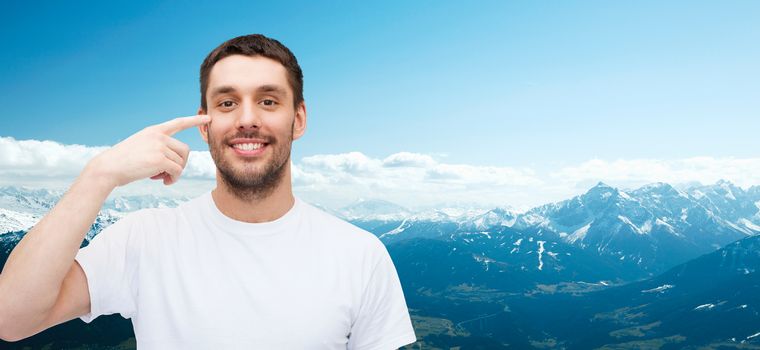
<point x="157" y="158"/>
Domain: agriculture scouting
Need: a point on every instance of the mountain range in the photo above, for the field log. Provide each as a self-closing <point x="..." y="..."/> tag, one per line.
<point x="651" y="267"/>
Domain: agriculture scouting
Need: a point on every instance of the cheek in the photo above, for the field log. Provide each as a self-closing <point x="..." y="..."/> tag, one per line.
<point x="217" y="128"/>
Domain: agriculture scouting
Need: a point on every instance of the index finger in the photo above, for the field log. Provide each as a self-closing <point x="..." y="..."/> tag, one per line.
<point x="178" y="124"/>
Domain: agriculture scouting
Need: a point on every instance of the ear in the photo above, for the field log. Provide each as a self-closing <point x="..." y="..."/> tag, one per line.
<point x="204" y="127"/>
<point x="299" y="123"/>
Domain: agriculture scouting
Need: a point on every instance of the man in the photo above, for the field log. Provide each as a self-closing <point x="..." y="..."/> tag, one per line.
<point x="247" y="265"/>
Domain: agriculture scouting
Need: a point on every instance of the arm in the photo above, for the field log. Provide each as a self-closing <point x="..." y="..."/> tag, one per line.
<point x="34" y="273"/>
<point x="41" y="285"/>
<point x="383" y="321"/>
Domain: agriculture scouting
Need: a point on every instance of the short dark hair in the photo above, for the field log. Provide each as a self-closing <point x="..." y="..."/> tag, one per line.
<point x="255" y="45"/>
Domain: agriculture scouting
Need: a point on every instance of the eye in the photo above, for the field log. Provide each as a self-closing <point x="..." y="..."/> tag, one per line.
<point x="227" y="104"/>
<point x="269" y="102"/>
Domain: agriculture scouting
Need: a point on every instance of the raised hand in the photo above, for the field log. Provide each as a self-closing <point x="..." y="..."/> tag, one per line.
<point x="151" y="152"/>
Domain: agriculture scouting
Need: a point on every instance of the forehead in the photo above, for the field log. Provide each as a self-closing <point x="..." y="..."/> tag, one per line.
<point x="246" y="73"/>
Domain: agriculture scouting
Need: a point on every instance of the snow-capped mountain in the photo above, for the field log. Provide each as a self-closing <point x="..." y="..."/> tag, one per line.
<point x="132" y="203"/>
<point x="28" y="200"/>
<point x="733" y="204"/>
<point x="654" y="227"/>
<point x="554" y="271"/>
<point x="16" y="221"/>
<point x="392" y="222"/>
<point x="374" y="209"/>
<point x="22" y="207"/>
<point x="645" y="230"/>
<point x="496" y="217"/>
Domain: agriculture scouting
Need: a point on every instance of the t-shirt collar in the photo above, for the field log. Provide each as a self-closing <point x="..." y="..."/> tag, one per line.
<point x="289" y="220"/>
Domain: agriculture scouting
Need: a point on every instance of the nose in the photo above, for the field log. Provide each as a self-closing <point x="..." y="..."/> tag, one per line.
<point x="249" y="117"/>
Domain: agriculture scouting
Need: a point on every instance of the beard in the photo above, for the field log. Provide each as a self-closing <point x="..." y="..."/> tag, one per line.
<point x="250" y="181"/>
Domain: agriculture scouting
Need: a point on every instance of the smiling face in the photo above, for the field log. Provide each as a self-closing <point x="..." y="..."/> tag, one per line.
<point x="253" y="123"/>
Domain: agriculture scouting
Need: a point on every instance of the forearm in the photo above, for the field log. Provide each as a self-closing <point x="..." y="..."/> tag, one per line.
<point x="31" y="279"/>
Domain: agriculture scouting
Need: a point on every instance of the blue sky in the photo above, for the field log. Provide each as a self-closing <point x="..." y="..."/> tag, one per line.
<point x="523" y="84"/>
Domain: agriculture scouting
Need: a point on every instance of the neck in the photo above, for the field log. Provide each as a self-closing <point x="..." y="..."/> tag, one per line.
<point x="255" y="209"/>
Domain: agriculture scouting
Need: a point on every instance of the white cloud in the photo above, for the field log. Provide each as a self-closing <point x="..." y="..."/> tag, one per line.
<point x="50" y="159"/>
<point x="636" y="172"/>
<point x="43" y="158"/>
<point x="409" y="179"/>
<point x="200" y="165"/>
<point x="408" y="159"/>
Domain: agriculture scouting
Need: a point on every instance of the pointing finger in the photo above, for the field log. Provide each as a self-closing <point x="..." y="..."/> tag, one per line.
<point x="178" y="124"/>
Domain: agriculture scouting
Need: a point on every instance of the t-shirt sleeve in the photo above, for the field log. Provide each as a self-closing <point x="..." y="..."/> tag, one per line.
<point x="383" y="321"/>
<point x="110" y="264"/>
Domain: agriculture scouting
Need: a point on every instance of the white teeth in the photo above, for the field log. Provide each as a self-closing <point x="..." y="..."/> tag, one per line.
<point x="248" y="146"/>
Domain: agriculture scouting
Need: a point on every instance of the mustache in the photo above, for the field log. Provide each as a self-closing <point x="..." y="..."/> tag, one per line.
<point x="249" y="135"/>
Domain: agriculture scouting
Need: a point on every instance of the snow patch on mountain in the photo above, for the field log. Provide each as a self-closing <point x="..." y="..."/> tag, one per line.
<point x="396" y="230"/>
<point x="628" y="222"/>
<point x="460" y="216"/>
<point x="647" y="227"/>
<point x="745" y="230"/>
<point x="11" y="220"/>
<point x="534" y="219"/>
<point x="483" y="259"/>
<point x="659" y="289"/>
<point x="540" y="254"/>
<point x="579" y="234"/>
<point x="494" y="217"/>
<point x="750" y="225"/>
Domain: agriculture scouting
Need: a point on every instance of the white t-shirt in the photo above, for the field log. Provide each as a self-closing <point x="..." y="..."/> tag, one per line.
<point x="192" y="278"/>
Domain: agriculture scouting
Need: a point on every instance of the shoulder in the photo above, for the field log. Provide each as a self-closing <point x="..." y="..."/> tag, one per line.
<point x="331" y="226"/>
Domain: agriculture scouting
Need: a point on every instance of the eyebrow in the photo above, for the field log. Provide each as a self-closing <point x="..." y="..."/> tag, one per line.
<point x="269" y="88"/>
<point x="275" y="89"/>
<point x="221" y="90"/>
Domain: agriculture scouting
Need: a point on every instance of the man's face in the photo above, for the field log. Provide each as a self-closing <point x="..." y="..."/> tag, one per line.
<point x="253" y="122"/>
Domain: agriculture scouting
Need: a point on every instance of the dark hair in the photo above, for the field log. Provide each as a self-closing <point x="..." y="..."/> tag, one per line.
<point x="255" y="45"/>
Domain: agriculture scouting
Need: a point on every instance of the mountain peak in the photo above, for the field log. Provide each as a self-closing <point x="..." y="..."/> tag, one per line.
<point x="601" y="184"/>
<point x="601" y="187"/>
<point x="601" y="194"/>
<point x="729" y="190"/>
<point x="660" y="187"/>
